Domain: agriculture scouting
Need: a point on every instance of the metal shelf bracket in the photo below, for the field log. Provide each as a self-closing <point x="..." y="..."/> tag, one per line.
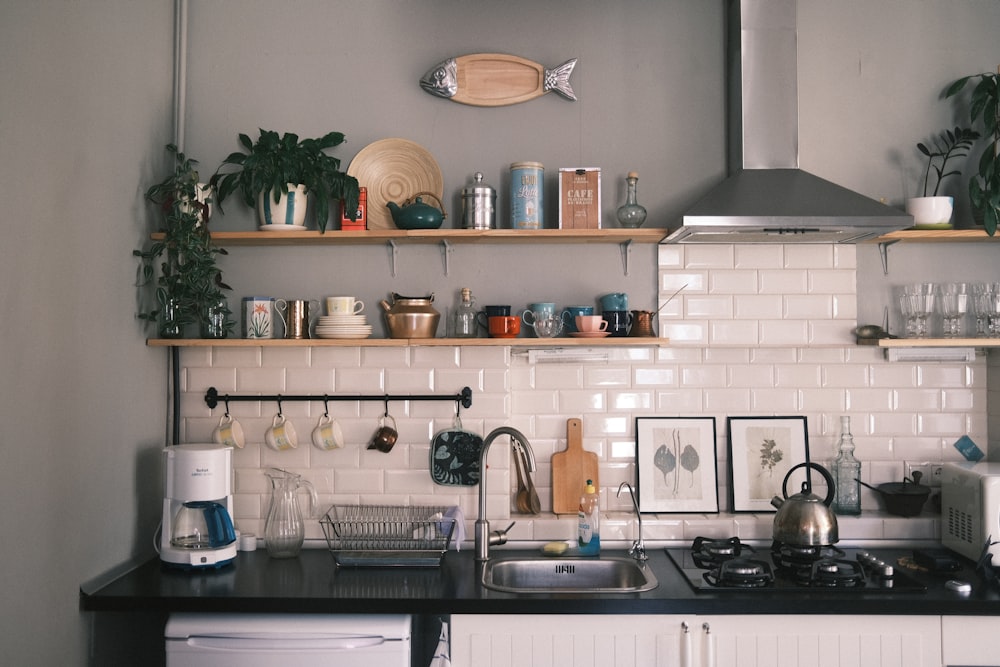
<point x="626" y="250"/>
<point x="393" y="255"/>
<point x="446" y="250"/>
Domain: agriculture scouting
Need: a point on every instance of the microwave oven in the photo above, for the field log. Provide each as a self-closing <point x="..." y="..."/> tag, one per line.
<point x="970" y="508"/>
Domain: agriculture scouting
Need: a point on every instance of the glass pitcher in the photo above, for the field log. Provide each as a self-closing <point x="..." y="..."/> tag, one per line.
<point x="284" y="531"/>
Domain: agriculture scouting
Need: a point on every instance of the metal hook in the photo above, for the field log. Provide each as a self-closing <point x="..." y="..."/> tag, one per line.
<point x="279" y="405"/>
<point x="226" y="399"/>
<point x="326" y="405"/>
<point x="387" y="405"/>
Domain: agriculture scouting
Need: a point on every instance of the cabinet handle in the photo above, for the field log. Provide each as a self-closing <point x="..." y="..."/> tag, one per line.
<point x="686" y="658"/>
<point x="709" y="660"/>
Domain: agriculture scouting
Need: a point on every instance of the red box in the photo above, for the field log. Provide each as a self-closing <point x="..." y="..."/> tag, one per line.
<point x="361" y="223"/>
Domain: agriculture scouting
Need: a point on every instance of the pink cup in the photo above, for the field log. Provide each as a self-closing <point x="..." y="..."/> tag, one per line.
<point x="591" y="323"/>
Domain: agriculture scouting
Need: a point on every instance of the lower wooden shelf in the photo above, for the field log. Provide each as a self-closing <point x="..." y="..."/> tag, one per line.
<point x="620" y="341"/>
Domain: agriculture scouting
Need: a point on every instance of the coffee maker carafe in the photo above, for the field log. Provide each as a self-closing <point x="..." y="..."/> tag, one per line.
<point x="197" y="530"/>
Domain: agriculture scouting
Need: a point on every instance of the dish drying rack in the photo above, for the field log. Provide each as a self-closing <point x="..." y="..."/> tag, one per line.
<point x="387" y="535"/>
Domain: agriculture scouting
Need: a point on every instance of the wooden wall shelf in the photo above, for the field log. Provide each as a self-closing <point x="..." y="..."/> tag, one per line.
<point x="626" y="341"/>
<point x="370" y="237"/>
<point x="937" y="236"/>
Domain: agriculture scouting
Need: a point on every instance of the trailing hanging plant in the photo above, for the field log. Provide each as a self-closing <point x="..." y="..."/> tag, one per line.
<point x="945" y="146"/>
<point x="189" y="280"/>
<point x="984" y="109"/>
<point x="274" y="162"/>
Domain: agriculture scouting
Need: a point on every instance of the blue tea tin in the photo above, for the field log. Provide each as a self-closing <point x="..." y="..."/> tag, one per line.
<point x="526" y="195"/>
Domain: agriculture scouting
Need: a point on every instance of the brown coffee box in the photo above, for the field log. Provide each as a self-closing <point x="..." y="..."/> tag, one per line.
<point x="580" y="198"/>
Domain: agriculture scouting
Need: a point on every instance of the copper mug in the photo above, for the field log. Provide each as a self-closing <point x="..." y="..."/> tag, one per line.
<point x="642" y="323"/>
<point x="385" y="436"/>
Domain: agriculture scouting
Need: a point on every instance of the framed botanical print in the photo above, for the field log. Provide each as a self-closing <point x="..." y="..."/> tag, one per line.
<point x="761" y="452"/>
<point x="676" y="460"/>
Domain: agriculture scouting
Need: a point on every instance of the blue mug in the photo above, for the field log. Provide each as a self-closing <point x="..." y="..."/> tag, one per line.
<point x="618" y="321"/>
<point x="569" y="314"/>
<point x="614" y="301"/>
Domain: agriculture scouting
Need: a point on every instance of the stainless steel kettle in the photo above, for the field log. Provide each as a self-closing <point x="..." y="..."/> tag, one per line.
<point x="805" y="519"/>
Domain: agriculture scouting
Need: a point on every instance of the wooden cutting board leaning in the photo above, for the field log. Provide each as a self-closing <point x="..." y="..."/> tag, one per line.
<point x="571" y="469"/>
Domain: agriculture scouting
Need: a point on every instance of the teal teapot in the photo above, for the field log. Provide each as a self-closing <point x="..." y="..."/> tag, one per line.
<point x="415" y="214"/>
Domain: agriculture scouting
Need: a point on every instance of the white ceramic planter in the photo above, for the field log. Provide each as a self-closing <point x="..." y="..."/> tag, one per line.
<point x="931" y="212"/>
<point x="288" y="214"/>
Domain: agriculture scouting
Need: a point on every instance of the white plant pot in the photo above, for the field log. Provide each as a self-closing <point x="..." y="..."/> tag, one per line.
<point x="931" y="212"/>
<point x="288" y="214"/>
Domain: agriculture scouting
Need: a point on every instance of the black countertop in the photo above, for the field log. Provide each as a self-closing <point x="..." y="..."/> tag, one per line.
<point x="311" y="583"/>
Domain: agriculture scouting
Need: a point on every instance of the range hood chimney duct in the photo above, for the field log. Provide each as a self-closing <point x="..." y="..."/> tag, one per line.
<point x="767" y="198"/>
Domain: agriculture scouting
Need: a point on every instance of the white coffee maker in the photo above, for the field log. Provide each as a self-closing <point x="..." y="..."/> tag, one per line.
<point x="197" y="530"/>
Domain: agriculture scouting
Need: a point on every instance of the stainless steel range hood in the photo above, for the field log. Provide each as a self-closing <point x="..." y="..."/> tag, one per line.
<point x="767" y="198"/>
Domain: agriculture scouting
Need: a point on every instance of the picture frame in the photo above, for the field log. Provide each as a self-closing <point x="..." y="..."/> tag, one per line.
<point x="677" y="464"/>
<point x="761" y="452"/>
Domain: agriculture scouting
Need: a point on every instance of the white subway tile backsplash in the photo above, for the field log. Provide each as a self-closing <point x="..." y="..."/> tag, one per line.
<point x="809" y="256"/>
<point x="758" y="306"/>
<point x="763" y="256"/>
<point x="807" y="306"/>
<point x="734" y="332"/>
<point x="737" y="281"/>
<point x="783" y="281"/>
<point x="687" y="332"/>
<point x="708" y="306"/>
<point x="759" y="330"/>
<point x="784" y="332"/>
<point x="709" y="256"/>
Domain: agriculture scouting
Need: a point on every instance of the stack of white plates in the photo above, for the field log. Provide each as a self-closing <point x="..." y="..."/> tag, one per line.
<point x="343" y="326"/>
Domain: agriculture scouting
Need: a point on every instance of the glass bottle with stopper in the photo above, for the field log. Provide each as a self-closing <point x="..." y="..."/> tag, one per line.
<point x="846" y="472"/>
<point x="631" y="214"/>
<point x="464" y="317"/>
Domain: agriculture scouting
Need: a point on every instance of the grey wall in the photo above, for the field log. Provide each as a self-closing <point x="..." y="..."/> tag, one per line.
<point x="84" y="114"/>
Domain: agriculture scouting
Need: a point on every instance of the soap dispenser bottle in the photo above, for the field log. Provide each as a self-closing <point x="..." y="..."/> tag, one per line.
<point x="589" y="522"/>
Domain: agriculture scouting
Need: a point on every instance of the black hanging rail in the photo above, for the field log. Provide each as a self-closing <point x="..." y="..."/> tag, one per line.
<point x="213" y="397"/>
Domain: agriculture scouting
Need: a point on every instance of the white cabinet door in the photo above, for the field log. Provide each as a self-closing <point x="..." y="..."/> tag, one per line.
<point x="970" y="640"/>
<point x="711" y="641"/>
<point x="539" y="640"/>
<point x="825" y="641"/>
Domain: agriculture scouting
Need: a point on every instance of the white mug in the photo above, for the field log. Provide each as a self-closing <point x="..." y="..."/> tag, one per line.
<point x="229" y="432"/>
<point x="344" y="305"/>
<point x="281" y="434"/>
<point x="328" y="434"/>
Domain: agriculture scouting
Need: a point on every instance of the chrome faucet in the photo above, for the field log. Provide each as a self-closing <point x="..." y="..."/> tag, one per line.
<point x="484" y="538"/>
<point x="638" y="550"/>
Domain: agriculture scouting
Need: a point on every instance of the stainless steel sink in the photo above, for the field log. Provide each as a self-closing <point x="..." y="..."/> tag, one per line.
<point x="568" y="575"/>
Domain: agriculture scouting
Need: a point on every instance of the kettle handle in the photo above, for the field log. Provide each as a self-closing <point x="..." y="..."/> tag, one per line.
<point x="830" y="486"/>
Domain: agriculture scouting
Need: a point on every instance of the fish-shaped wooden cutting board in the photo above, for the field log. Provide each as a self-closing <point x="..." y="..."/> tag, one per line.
<point x="496" y="79"/>
<point x="571" y="469"/>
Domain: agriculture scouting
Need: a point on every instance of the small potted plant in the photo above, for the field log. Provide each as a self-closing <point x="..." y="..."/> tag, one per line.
<point x="189" y="286"/>
<point x="275" y="166"/>
<point x="933" y="211"/>
<point x="984" y="108"/>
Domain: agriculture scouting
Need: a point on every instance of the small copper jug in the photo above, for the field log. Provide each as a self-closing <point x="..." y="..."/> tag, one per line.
<point x="642" y="324"/>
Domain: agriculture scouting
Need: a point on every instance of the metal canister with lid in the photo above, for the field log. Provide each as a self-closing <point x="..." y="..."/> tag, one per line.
<point x="526" y="195"/>
<point x="479" y="204"/>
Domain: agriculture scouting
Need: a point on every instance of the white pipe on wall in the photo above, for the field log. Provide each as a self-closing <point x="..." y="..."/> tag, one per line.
<point x="180" y="70"/>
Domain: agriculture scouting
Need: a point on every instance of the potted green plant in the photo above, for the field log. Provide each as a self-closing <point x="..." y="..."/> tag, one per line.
<point x="984" y="108"/>
<point x="933" y="211"/>
<point x="189" y="285"/>
<point x="275" y="165"/>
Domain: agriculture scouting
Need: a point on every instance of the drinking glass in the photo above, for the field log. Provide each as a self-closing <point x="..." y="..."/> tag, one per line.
<point x="953" y="303"/>
<point x="917" y="304"/>
<point x="981" y="308"/>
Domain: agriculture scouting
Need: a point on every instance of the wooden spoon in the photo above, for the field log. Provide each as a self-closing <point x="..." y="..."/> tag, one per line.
<point x="521" y="500"/>
<point x="534" y="505"/>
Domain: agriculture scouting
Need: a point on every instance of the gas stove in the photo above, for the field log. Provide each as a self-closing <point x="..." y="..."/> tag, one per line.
<point x="728" y="564"/>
